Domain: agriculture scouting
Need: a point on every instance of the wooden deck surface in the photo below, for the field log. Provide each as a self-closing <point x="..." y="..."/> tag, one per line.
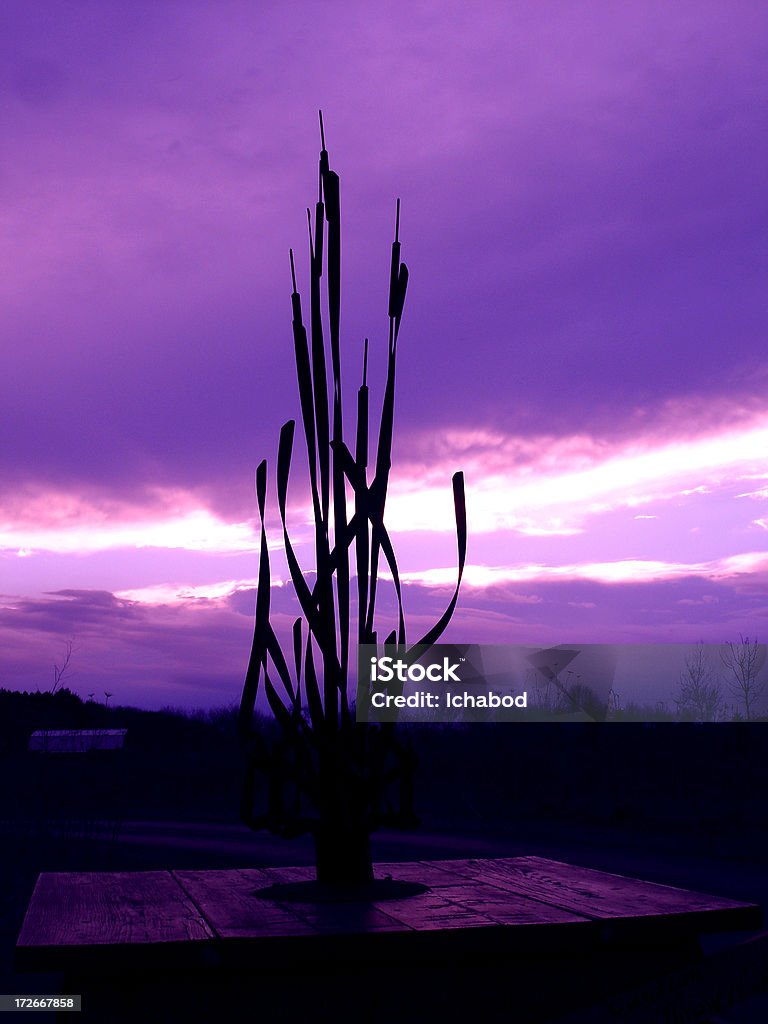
<point x="188" y="918"/>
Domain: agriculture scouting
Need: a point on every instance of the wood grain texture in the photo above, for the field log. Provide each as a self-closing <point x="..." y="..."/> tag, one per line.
<point x="71" y="912"/>
<point x="595" y="894"/>
<point x="233" y="908"/>
<point x="431" y="873"/>
<point x="525" y="901"/>
<point x="305" y="873"/>
<point x="503" y="907"/>
<point x="227" y="900"/>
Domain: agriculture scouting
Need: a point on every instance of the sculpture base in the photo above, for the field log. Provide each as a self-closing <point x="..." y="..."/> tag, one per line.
<point x="342" y="855"/>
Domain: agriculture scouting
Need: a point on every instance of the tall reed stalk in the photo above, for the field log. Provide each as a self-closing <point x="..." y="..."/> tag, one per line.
<point x="327" y="773"/>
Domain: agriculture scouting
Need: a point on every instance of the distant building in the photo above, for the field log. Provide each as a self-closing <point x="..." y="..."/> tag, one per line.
<point x="76" y="741"/>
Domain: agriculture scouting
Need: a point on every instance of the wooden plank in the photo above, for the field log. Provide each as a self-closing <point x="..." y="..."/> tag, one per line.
<point x="104" y="908"/>
<point x="230" y="902"/>
<point x="507" y="908"/>
<point x="432" y="911"/>
<point x="349" y="918"/>
<point x="276" y="876"/>
<point x="431" y="873"/>
<point x="108" y="911"/>
<point x="227" y="900"/>
<point x="601" y="895"/>
<point x="231" y="905"/>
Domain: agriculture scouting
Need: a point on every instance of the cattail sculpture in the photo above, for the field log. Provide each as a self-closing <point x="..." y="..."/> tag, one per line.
<point x="328" y="773"/>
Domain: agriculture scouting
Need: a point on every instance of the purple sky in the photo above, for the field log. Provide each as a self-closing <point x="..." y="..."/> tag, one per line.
<point x="584" y="219"/>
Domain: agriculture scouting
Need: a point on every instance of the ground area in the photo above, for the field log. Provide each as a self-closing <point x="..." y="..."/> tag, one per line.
<point x="680" y="805"/>
<point x="709" y="867"/>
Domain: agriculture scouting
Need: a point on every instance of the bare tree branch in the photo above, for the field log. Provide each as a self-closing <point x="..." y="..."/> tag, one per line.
<point x="743" y="661"/>
<point x="61" y="671"/>
<point x="700" y="696"/>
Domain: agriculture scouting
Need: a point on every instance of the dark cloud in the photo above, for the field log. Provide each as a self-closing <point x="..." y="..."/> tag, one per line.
<point x="68" y="611"/>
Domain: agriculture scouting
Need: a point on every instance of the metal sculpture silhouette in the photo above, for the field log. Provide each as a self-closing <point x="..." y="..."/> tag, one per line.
<point x="326" y="772"/>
